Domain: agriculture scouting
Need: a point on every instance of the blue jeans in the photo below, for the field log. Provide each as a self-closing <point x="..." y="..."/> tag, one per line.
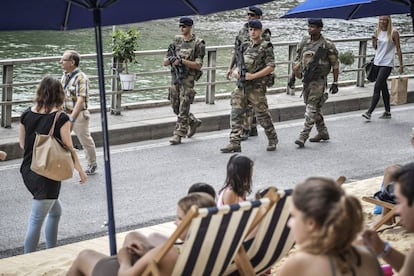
<point x="41" y="208"/>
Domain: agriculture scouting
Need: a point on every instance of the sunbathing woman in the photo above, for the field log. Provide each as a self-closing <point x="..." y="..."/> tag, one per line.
<point x="325" y="222"/>
<point x="132" y="259"/>
<point x="238" y="182"/>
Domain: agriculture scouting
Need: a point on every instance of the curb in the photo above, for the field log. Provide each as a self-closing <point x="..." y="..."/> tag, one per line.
<point x="162" y="128"/>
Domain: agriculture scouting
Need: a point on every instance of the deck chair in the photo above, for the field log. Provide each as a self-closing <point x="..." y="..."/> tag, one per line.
<point x="273" y="238"/>
<point x="213" y="238"/>
<point x="390" y="215"/>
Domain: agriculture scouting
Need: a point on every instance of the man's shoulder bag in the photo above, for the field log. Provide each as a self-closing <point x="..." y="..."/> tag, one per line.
<point x="51" y="158"/>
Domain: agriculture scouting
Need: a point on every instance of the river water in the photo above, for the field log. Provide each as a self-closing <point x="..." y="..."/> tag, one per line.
<point x="215" y="29"/>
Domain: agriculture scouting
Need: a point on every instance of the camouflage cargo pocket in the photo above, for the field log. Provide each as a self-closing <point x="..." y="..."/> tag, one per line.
<point x="270" y="80"/>
<point x="324" y="99"/>
<point x="191" y="95"/>
<point x="198" y="74"/>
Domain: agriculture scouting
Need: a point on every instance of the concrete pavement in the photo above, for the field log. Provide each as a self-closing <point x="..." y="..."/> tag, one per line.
<point x="154" y="120"/>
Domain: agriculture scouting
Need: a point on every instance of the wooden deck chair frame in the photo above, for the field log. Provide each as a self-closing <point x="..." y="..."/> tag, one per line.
<point x="273" y="238"/>
<point x="213" y="238"/>
<point x="386" y="217"/>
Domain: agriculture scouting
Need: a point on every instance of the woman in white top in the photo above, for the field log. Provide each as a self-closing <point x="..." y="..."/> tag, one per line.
<point x="386" y="41"/>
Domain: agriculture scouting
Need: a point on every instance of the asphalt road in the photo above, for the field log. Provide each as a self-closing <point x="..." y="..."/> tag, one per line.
<point x="148" y="177"/>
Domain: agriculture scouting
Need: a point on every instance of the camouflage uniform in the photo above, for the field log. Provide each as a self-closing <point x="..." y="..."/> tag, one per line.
<point x="256" y="57"/>
<point x="181" y="97"/>
<point x="314" y="94"/>
<point x="249" y="120"/>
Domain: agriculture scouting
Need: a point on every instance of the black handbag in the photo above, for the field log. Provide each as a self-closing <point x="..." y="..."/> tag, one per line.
<point x="387" y="194"/>
<point x="371" y="71"/>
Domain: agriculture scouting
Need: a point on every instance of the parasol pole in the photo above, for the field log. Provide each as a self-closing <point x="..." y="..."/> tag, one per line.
<point x="105" y="140"/>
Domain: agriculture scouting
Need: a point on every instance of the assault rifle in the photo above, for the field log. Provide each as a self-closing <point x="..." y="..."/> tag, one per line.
<point x="241" y="66"/>
<point x="312" y="67"/>
<point x="178" y="70"/>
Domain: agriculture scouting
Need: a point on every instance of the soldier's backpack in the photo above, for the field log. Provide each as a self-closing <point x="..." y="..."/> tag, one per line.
<point x="198" y="73"/>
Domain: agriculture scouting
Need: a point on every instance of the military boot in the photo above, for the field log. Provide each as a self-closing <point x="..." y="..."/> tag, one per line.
<point x="300" y="142"/>
<point x="253" y="131"/>
<point x="231" y="148"/>
<point x="244" y="135"/>
<point x="271" y="146"/>
<point x="193" y="127"/>
<point x="175" y="140"/>
<point x="319" y="137"/>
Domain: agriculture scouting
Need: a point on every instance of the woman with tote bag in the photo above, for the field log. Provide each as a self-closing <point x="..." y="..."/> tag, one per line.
<point x="39" y="119"/>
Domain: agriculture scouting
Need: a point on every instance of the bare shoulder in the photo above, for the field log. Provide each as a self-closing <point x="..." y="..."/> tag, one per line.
<point x="293" y="265"/>
<point x="369" y="262"/>
<point x="230" y="197"/>
<point x="302" y="263"/>
<point x="395" y="34"/>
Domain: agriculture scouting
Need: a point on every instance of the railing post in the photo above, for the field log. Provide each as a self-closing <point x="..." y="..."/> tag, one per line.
<point x="116" y="99"/>
<point x="211" y="76"/>
<point x="7" y="95"/>
<point x="360" y="81"/>
<point x="292" y="55"/>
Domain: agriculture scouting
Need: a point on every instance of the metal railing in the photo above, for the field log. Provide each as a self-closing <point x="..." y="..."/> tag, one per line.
<point x="216" y="62"/>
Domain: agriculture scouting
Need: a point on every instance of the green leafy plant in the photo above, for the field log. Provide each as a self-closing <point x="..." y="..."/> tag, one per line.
<point x="346" y="58"/>
<point x="124" y="43"/>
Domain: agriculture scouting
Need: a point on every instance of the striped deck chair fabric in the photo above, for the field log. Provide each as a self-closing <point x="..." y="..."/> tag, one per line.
<point x="214" y="237"/>
<point x="273" y="238"/>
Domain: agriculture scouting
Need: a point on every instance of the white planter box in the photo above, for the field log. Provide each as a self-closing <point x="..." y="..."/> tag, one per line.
<point x="127" y="81"/>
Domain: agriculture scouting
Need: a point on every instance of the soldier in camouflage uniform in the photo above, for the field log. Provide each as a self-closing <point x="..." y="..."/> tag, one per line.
<point x="260" y="64"/>
<point x="249" y="121"/>
<point x="189" y="54"/>
<point x="316" y="56"/>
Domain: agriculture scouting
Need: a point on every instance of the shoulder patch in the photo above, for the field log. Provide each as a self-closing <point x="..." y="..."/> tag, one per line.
<point x="266" y="44"/>
<point x="178" y="38"/>
<point x="200" y="41"/>
<point x="266" y="34"/>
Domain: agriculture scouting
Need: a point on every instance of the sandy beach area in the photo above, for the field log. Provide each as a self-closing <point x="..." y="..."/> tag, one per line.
<point x="56" y="261"/>
<point x="397" y="236"/>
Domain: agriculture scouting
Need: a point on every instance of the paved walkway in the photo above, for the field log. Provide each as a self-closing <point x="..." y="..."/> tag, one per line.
<point x="153" y="120"/>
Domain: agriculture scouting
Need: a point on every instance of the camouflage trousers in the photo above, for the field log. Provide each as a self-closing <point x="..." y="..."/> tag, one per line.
<point x="254" y="95"/>
<point x="181" y="97"/>
<point x="249" y="120"/>
<point x="314" y="97"/>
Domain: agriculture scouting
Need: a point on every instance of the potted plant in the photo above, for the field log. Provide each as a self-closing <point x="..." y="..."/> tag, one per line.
<point x="345" y="58"/>
<point x="124" y="44"/>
